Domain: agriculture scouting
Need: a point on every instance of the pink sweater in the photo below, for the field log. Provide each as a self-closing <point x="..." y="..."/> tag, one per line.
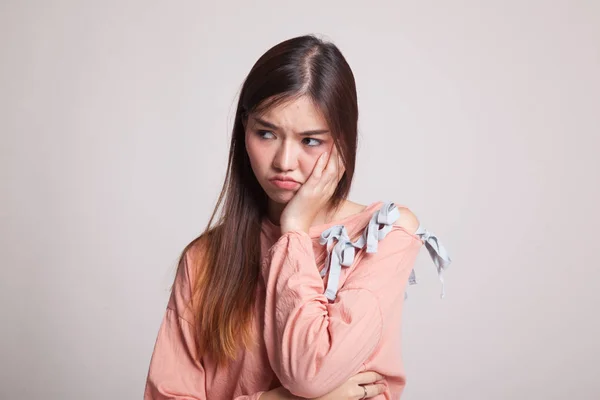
<point x="330" y="306"/>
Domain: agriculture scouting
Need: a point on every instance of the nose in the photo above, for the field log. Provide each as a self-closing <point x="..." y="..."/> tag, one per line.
<point x="285" y="158"/>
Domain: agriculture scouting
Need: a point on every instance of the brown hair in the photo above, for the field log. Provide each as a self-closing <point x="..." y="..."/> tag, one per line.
<point x="227" y="270"/>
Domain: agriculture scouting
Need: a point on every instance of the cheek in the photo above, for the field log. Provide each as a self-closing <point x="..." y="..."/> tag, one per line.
<point x="310" y="158"/>
<point x="257" y="153"/>
<point x="307" y="163"/>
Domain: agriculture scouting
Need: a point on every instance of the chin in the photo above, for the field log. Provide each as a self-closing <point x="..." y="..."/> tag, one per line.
<point x="282" y="197"/>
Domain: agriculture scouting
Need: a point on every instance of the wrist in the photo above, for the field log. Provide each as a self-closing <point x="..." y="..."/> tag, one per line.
<point x="291" y="226"/>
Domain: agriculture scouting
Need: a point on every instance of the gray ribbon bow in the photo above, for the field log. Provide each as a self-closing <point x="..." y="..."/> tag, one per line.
<point x="343" y="252"/>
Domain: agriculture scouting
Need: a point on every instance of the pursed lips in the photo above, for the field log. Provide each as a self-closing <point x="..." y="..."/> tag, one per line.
<point x="283" y="179"/>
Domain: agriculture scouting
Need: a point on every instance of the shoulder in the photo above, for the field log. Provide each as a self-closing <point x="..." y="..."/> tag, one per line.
<point x="197" y="253"/>
<point x="190" y="268"/>
<point x="191" y="262"/>
<point x="407" y="220"/>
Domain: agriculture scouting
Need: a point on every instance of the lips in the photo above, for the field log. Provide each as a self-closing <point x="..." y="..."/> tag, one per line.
<point x="289" y="184"/>
<point x="283" y="178"/>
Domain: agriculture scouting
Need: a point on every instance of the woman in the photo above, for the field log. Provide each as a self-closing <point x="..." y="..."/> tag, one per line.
<point x="297" y="292"/>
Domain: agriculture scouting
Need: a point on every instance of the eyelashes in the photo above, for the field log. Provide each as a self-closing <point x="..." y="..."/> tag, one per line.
<point x="261" y="134"/>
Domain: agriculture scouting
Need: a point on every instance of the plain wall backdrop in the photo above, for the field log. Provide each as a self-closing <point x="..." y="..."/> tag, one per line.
<point x="480" y="116"/>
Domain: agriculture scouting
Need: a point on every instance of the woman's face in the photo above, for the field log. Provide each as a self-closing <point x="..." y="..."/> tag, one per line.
<point x="287" y="141"/>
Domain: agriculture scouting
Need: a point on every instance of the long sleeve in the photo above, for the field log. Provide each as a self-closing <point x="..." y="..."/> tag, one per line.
<point x="175" y="373"/>
<point x="315" y="345"/>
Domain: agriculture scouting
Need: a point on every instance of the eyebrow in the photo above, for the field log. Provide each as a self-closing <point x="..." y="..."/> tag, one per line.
<point x="275" y="127"/>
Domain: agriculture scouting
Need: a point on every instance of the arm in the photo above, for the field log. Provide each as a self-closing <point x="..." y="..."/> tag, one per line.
<point x="313" y="345"/>
<point x="175" y="373"/>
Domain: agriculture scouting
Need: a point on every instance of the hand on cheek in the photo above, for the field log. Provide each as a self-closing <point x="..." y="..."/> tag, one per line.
<point x="314" y="194"/>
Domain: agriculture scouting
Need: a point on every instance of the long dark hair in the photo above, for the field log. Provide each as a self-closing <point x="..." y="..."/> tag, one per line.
<point x="225" y="258"/>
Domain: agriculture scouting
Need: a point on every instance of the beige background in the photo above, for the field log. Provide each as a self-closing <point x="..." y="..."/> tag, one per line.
<point x="115" y="119"/>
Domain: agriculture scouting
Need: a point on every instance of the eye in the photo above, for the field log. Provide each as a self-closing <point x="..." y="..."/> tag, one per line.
<point x="315" y="142"/>
<point x="318" y="142"/>
<point x="261" y="133"/>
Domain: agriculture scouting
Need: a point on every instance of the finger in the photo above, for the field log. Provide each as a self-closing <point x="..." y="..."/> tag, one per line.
<point x="367" y="377"/>
<point x="340" y="164"/>
<point x="341" y="170"/>
<point x="371" y="390"/>
<point x="374" y="390"/>
<point x="334" y="166"/>
<point x="319" y="166"/>
<point x="332" y="162"/>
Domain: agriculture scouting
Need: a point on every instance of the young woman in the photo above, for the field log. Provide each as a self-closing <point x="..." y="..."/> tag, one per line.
<point x="296" y="292"/>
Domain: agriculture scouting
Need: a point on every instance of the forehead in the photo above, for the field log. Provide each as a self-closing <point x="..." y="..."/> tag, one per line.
<point x="295" y="114"/>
